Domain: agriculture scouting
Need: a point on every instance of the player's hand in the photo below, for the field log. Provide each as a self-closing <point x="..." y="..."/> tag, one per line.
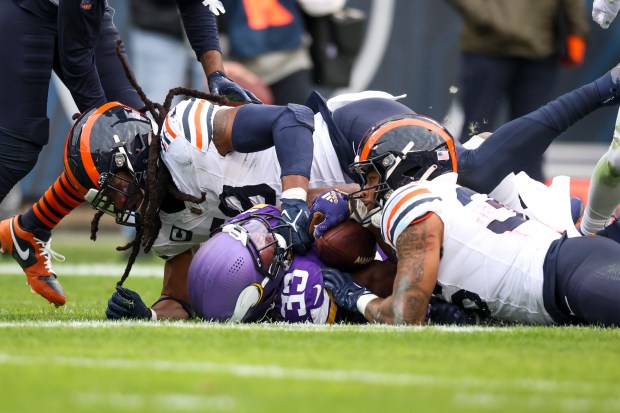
<point x="296" y="213"/>
<point x="219" y="84"/>
<point x="125" y="303"/>
<point x="215" y="6"/>
<point x="344" y="290"/>
<point x="442" y="312"/>
<point x="328" y="210"/>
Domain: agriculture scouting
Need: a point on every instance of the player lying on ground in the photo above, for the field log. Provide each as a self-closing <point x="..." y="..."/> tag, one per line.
<point x="470" y="249"/>
<point x="247" y="272"/>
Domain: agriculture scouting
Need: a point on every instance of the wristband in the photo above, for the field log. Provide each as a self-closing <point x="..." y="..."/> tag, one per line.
<point x="153" y="315"/>
<point x="363" y="301"/>
<point x="295" y="193"/>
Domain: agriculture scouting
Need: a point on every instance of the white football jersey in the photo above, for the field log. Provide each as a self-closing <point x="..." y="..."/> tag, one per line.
<point x="492" y="257"/>
<point x="232" y="183"/>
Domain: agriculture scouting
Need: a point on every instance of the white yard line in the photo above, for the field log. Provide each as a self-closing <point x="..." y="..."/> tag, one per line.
<point x="279" y="372"/>
<point x="98" y="269"/>
<point x="302" y="327"/>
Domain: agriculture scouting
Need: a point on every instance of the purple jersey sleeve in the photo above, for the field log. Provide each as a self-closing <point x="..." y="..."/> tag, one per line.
<point x="302" y="296"/>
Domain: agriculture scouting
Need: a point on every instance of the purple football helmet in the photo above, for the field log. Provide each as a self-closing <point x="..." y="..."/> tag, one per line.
<point x="236" y="274"/>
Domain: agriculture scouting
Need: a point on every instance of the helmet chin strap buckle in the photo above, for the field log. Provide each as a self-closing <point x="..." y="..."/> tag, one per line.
<point x="428" y="172"/>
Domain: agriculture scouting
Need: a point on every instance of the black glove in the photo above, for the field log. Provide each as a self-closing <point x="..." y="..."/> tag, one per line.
<point x="296" y="213"/>
<point x="442" y="312"/>
<point x="344" y="290"/>
<point x="125" y="303"/>
<point x="219" y="84"/>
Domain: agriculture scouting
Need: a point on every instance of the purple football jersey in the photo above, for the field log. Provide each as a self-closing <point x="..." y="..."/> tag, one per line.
<point x="302" y="296"/>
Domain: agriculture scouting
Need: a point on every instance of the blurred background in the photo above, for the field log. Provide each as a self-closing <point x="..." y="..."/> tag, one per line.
<point x="409" y="47"/>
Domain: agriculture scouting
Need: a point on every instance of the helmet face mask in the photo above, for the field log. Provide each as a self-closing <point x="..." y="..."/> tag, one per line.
<point x="401" y="150"/>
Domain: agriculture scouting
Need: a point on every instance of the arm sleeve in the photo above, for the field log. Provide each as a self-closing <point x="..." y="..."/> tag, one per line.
<point x="288" y="128"/>
<point x="78" y="30"/>
<point x="200" y="26"/>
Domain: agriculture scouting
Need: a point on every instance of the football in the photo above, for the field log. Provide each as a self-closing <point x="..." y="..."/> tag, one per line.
<point x="347" y="246"/>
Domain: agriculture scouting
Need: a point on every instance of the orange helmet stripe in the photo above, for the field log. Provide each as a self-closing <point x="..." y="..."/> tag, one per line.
<point x="87" y="161"/>
<point x="374" y="137"/>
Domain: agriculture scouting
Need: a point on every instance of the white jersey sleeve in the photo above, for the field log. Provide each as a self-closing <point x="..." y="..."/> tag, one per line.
<point x="492" y="257"/>
<point x="192" y="120"/>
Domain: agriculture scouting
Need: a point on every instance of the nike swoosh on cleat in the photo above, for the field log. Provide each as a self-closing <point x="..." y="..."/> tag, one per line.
<point x="22" y="254"/>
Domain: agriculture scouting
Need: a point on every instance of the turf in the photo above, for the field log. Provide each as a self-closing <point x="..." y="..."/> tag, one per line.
<point x="72" y="359"/>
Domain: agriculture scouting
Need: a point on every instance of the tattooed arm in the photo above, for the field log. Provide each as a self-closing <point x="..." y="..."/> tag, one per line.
<point x="418" y="252"/>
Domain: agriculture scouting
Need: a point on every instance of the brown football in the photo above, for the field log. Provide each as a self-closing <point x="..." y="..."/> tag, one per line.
<point x="347" y="246"/>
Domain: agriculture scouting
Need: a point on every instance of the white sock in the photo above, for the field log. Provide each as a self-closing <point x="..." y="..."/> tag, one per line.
<point x="604" y="193"/>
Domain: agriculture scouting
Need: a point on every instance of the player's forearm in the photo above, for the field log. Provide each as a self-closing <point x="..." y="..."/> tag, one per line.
<point x="394" y="310"/>
<point x="295" y="181"/>
<point x="170" y="310"/>
<point x="211" y="61"/>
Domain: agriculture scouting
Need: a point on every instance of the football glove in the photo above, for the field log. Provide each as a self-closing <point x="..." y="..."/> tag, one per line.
<point x="328" y="210"/>
<point x="295" y="212"/>
<point x="219" y="84"/>
<point x="442" y="312"/>
<point x="344" y="289"/>
<point x="125" y="303"/>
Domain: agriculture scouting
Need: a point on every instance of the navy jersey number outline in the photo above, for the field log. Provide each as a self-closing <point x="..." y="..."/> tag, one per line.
<point x="464" y="195"/>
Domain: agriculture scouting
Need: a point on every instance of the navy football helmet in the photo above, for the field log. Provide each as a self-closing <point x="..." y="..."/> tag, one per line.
<point x="403" y="149"/>
<point x="236" y="274"/>
<point x="102" y="142"/>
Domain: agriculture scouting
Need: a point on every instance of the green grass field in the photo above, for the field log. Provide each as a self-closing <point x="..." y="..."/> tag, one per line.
<point x="71" y="359"/>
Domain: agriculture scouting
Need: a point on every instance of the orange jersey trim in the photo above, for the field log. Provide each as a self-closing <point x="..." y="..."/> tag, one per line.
<point x="400" y="203"/>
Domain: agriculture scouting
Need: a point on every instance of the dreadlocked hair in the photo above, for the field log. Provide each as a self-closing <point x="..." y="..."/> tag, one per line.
<point x="158" y="178"/>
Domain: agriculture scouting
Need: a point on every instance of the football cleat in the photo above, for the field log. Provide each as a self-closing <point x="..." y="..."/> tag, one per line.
<point x="32" y="251"/>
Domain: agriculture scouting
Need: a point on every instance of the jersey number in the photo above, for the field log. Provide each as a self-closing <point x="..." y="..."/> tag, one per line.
<point x="243" y="195"/>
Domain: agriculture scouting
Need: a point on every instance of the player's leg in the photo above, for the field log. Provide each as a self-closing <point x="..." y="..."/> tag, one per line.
<point x="587" y="285"/>
<point x="518" y="142"/>
<point x="28" y="43"/>
<point x="112" y="76"/>
<point x="604" y="193"/>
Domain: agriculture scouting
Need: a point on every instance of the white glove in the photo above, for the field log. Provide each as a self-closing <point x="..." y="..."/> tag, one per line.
<point x="215" y="6"/>
<point x="605" y="11"/>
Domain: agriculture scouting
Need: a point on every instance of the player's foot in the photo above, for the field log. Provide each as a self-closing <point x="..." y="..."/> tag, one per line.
<point x="609" y="87"/>
<point x="32" y="251"/>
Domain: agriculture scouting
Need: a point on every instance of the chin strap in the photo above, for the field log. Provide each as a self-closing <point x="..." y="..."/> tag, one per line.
<point x="428" y="172"/>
